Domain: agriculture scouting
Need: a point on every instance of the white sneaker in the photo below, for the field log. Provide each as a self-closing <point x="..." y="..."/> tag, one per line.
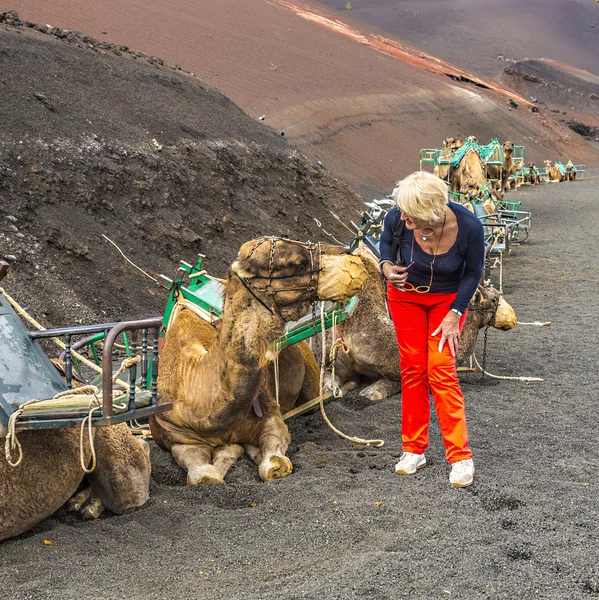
<point x="409" y="463"/>
<point x="462" y="473"/>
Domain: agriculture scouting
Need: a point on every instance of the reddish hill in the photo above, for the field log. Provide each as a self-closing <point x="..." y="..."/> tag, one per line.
<point x="359" y="109"/>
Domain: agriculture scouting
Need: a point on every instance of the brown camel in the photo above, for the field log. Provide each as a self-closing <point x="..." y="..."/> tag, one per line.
<point x="470" y="167"/>
<point x="554" y="174"/>
<point x="51" y="473"/>
<point x="369" y="335"/>
<point x="221" y="379"/>
<point x="503" y="173"/>
<point x="450" y="145"/>
<point x="532" y="176"/>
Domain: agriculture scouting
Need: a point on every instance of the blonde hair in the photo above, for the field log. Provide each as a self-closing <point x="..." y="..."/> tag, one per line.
<point x="422" y="196"/>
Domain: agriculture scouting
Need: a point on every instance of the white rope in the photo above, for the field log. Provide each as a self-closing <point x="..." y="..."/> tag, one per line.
<point x="129" y="261"/>
<point x="375" y="443"/>
<point x="537" y="323"/>
<point x="506" y="377"/>
<point x="12" y="444"/>
<point x="327" y="233"/>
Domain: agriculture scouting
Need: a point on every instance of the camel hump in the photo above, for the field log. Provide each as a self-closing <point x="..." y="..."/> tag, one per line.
<point x="191" y="329"/>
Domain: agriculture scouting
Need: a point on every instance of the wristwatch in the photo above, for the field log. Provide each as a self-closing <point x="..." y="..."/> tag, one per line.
<point x="456" y="311"/>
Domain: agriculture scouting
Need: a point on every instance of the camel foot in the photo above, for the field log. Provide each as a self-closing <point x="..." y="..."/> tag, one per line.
<point x="93" y="509"/>
<point x="77" y="502"/>
<point x="204" y="475"/>
<point x="275" y="467"/>
<point x="87" y="504"/>
<point x="381" y="389"/>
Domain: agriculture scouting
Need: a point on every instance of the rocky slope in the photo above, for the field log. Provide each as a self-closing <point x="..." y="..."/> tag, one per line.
<point x="96" y="139"/>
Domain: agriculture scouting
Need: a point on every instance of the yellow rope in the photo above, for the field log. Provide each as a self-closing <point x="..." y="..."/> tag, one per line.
<point x="12" y="443"/>
<point x="376" y="443"/>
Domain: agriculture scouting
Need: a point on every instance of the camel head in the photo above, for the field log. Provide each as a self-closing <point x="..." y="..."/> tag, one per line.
<point x="508" y="148"/>
<point x="487" y="307"/>
<point x="453" y="143"/>
<point x="286" y="276"/>
<point x="548" y="164"/>
<point x="531" y="164"/>
<point x="472" y="140"/>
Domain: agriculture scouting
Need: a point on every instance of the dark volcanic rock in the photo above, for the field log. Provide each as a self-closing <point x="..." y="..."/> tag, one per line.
<point x="96" y="139"/>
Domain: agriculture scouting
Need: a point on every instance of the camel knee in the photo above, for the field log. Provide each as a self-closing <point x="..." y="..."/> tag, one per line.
<point x="225" y="457"/>
<point x="381" y="389"/>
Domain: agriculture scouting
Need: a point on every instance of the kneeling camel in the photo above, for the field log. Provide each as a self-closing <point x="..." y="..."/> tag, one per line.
<point x="221" y="379"/>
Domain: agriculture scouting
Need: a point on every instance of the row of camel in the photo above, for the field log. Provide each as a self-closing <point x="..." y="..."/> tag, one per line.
<point x="470" y="175"/>
<point x="221" y="382"/>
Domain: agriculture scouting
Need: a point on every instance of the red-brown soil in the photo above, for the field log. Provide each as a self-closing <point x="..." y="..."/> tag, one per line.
<point x="363" y="113"/>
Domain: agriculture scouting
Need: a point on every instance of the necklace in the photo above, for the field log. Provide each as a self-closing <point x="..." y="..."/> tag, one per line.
<point x="427" y="235"/>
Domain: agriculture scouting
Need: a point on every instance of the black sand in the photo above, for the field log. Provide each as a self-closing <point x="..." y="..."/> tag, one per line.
<point x="343" y="525"/>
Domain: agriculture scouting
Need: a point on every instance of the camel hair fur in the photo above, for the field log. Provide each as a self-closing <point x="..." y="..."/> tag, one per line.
<point x="503" y="173"/>
<point x="50" y="473"/>
<point x="220" y="378"/>
<point x="470" y="167"/>
<point x="450" y="145"/>
<point x="372" y="354"/>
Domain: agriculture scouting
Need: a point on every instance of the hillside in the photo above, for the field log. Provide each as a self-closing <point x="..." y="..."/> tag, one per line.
<point x="95" y="140"/>
<point x="563" y="89"/>
<point x="477" y="33"/>
<point x="360" y="108"/>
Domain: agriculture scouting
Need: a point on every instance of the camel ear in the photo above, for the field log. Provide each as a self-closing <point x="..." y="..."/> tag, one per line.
<point x="243" y="268"/>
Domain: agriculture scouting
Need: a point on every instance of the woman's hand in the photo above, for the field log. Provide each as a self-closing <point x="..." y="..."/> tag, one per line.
<point x="450" y="332"/>
<point x="395" y="274"/>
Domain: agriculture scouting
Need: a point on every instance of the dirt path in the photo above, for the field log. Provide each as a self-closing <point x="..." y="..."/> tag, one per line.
<point x="343" y="526"/>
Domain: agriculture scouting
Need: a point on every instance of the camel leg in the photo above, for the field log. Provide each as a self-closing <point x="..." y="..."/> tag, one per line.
<point x="254" y="453"/>
<point x="380" y="389"/>
<point x="197" y="461"/>
<point x="225" y="457"/>
<point x="121" y="480"/>
<point x="274" y="439"/>
<point x="78" y="500"/>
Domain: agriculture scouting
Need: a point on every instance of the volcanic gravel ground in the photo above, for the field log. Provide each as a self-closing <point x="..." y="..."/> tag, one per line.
<point x="343" y="525"/>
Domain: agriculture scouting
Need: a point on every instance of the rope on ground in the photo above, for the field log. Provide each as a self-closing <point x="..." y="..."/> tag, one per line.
<point x="537" y="323"/>
<point x="375" y="443"/>
<point x="129" y="261"/>
<point x="506" y="377"/>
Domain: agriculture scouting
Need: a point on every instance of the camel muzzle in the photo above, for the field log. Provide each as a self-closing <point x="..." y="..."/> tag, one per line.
<point x="340" y="277"/>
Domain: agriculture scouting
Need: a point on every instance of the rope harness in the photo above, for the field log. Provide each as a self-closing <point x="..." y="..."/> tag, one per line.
<point x="272" y="291"/>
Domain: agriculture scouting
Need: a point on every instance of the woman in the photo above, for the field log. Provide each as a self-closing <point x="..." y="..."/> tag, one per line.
<point x="432" y="255"/>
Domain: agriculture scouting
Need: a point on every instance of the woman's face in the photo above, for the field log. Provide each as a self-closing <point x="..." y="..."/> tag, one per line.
<point x="412" y="223"/>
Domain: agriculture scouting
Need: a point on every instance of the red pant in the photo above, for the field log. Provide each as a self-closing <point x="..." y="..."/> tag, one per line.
<point x="423" y="368"/>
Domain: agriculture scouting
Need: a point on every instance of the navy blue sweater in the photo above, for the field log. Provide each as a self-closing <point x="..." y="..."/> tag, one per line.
<point x="458" y="270"/>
